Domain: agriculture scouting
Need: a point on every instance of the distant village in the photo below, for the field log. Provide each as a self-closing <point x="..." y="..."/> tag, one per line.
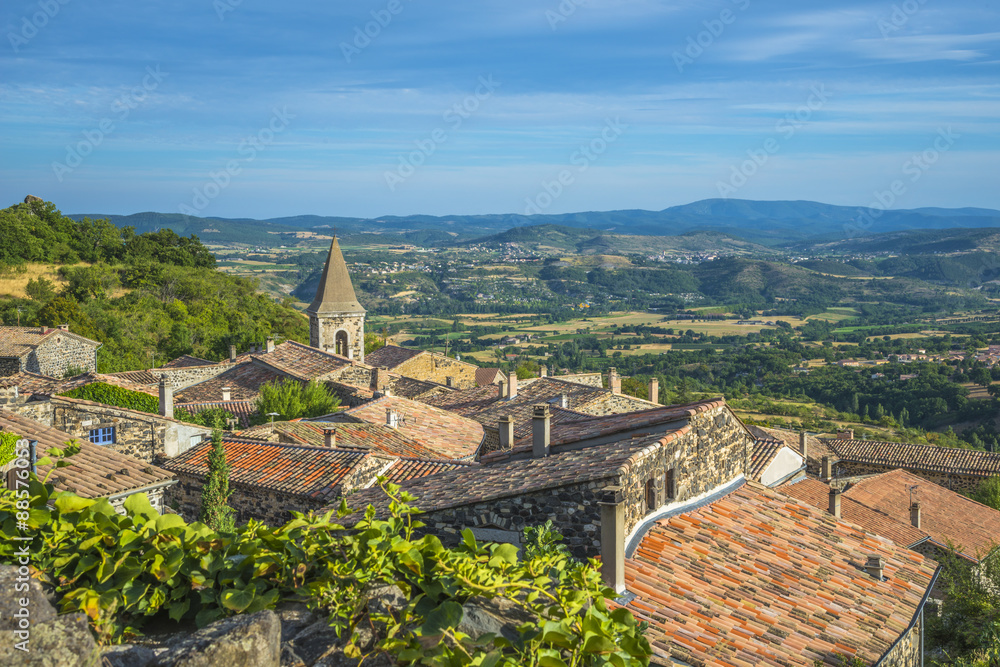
<point x="737" y="544"/>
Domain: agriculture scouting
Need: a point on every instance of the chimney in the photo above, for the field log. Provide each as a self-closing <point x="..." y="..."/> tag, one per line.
<point x="564" y="401"/>
<point x="381" y="374"/>
<point x="502" y="386"/>
<point x="540" y="431"/>
<point x="654" y="390"/>
<point x="614" y="382"/>
<point x="507" y="432"/>
<point x="330" y="437"/>
<point x="846" y="434"/>
<point x="826" y="472"/>
<point x="449" y="381"/>
<point x="915" y="514"/>
<point x="875" y="566"/>
<point x="544" y="372"/>
<point x="270" y="344"/>
<point x="512" y="387"/>
<point x="232" y="353"/>
<point x="391" y="418"/>
<point x="611" y="499"/>
<point x="835" y="502"/>
<point x="804" y="446"/>
<point x="64" y="327"/>
<point x="226" y="394"/>
<point x="166" y="399"/>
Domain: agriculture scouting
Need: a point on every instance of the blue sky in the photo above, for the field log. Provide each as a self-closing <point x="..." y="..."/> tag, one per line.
<point x="121" y="107"/>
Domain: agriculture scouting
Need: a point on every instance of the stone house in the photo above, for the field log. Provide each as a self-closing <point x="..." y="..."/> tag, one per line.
<point x="424" y="365"/>
<point x="46" y="351"/>
<point x="95" y="471"/>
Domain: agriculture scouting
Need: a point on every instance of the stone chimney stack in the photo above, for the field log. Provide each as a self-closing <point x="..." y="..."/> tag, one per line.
<point x="875" y="567"/>
<point x="654" y="390"/>
<point x="835" y="502"/>
<point x="330" y="437"/>
<point x="166" y="399"/>
<point x="507" y="432"/>
<point x="826" y="471"/>
<point x="540" y="431"/>
<point x="804" y="445"/>
<point x="915" y="514"/>
<point x="270" y="344"/>
<point x="846" y="434"/>
<point x="381" y="378"/>
<point x="512" y="387"/>
<point x="391" y="418"/>
<point x="226" y="394"/>
<point x="502" y="387"/>
<point x="64" y="327"/>
<point x="564" y="401"/>
<point x="544" y="372"/>
<point x="612" y="502"/>
<point x="232" y="354"/>
<point x="614" y="382"/>
<point x="449" y="381"/>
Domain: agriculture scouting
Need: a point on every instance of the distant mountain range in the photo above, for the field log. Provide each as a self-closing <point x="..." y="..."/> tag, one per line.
<point x="769" y="223"/>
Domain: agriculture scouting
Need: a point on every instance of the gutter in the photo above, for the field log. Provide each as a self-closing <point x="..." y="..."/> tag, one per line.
<point x="143" y="489"/>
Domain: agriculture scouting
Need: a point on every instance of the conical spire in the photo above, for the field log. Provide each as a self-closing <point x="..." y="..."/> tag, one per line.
<point x="335" y="293"/>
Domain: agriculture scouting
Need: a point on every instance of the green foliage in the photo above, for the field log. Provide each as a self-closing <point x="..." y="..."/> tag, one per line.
<point x="91" y="282"/>
<point x="215" y="510"/>
<point x="213" y="417"/>
<point x="543" y="540"/>
<point x="527" y="369"/>
<point x="988" y="492"/>
<point x="971" y="605"/>
<point x="100" y="392"/>
<point x="292" y="399"/>
<point x="40" y="289"/>
<point x="8" y="444"/>
<point x="123" y="569"/>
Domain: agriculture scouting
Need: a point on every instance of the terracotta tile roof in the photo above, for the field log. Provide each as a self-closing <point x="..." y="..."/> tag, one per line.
<point x="95" y="471"/>
<point x="816" y="493"/>
<point x="350" y="435"/>
<point x="307" y="363"/>
<point x="242" y="410"/>
<point x="488" y="376"/>
<point x="764" y="452"/>
<point x="478" y="483"/>
<point x="944" y="515"/>
<point x="101" y="406"/>
<point x="756" y="578"/>
<point x="391" y="356"/>
<point x="447" y="434"/>
<point x="244" y="382"/>
<point x="145" y="378"/>
<point x="405" y="469"/>
<point x="412" y="388"/>
<point x="916" y="457"/>
<point x="815" y="449"/>
<point x="187" y="361"/>
<point x="32" y="383"/>
<point x="301" y="470"/>
<point x="19" y="341"/>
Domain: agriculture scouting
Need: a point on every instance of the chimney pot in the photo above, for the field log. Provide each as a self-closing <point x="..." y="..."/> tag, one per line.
<point x="614" y="382"/>
<point x="506" y="432"/>
<point x="915" y="515"/>
<point x="226" y="394"/>
<point x="875" y="566"/>
<point x="826" y="472"/>
<point x="270" y="343"/>
<point x="232" y="353"/>
<point x="330" y="437"/>
<point x="540" y="431"/>
<point x="654" y="390"/>
<point x="544" y="372"/>
<point x="835" y="502"/>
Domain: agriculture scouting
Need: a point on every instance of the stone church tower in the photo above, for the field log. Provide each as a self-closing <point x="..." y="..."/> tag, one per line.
<point x="336" y="319"/>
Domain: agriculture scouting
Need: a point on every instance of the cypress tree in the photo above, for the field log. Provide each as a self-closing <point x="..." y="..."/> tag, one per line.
<point x="215" y="510"/>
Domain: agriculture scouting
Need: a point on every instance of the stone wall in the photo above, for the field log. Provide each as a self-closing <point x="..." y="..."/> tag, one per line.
<point x="589" y="379"/>
<point x="614" y="404"/>
<point x="954" y="481"/>
<point x="40" y="411"/>
<point x="907" y="651"/>
<point x="355" y="375"/>
<point x="432" y="367"/>
<point x="250" y="502"/>
<point x="9" y="366"/>
<point x="323" y="331"/>
<point x="60" y="352"/>
<point x="144" y="436"/>
<point x="156" y="499"/>
<point x="181" y="378"/>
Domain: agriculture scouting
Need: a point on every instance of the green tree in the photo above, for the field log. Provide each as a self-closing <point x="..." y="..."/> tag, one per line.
<point x="291" y="400"/>
<point x="215" y="510"/>
<point x="988" y="492"/>
<point x="40" y="290"/>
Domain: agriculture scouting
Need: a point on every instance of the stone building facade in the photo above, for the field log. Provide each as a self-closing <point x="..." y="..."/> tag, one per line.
<point x="437" y="368"/>
<point x="249" y="501"/>
<point x="336" y="318"/>
<point x="46" y="351"/>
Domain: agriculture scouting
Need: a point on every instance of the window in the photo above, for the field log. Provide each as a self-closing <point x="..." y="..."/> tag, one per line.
<point x="650" y="495"/>
<point x="669" y="486"/>
<point x="103" y="436"/>
<point x="340" y="341"/>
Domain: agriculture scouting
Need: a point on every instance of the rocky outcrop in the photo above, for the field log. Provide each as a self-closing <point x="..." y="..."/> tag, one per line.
<point x="253" y="640"/>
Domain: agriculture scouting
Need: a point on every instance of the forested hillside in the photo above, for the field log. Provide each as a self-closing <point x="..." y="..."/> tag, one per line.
<point x="146" y="297"/>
